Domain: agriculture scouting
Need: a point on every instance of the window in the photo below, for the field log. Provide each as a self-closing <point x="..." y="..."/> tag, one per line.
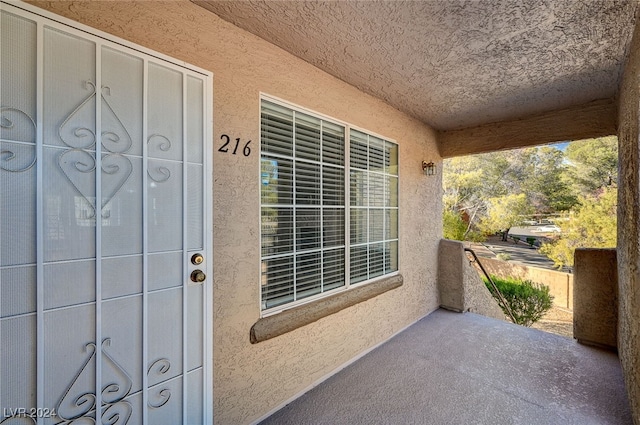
<point x="315" y="224"/>
<point x="373" y="207"/>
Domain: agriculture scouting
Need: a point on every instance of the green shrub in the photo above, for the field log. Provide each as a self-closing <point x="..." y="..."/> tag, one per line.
<point x="453" y="225"/>
<point x="455" y="228"/>
<point x="475" y="236"/>
<point x="527" y="300"/>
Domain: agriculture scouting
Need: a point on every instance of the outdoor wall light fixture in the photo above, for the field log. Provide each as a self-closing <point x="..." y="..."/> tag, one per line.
<point x="429" y="168"/>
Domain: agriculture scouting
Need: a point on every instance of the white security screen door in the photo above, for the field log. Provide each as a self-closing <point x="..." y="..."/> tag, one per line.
<point x="105" y="279"/>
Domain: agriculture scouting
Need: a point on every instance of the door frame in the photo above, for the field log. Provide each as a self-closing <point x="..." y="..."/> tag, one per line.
<point x="106" y="39"/>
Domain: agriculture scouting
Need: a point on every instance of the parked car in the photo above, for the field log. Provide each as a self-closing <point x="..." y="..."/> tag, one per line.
<point x="550" y="228"/>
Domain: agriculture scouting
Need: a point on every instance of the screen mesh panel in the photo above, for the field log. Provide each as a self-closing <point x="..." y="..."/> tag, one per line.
<point x="99" y="213"/>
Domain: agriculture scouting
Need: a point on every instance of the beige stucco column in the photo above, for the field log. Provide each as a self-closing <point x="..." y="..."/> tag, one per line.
<point x="629" y="226"/>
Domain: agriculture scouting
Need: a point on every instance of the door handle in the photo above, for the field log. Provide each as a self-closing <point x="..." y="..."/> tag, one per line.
<point x="198" y="276"/>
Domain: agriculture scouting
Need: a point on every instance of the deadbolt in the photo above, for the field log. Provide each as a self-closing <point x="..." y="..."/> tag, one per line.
<point x="197" y="259"/>
<point x="198" y="276"/>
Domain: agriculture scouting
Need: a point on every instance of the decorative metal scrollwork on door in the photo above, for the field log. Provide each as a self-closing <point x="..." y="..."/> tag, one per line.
<point x="79" y="160"/>
<point x="78" y="405"/>
<point x="161" y="395"/>
<point x="159" y="174"/>
<point x="9" y="159"/>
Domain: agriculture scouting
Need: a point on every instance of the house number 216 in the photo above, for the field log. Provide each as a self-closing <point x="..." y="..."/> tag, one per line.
<point x="246" y="150"/>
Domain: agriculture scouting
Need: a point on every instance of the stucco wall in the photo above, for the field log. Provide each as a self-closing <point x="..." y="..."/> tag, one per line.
<point x="460" y="286"/>
<point x="251" y="380"/>
<point x="629" y="226"/>
<point x="595" y="317"/>
<point x="560" y="284"/>
<point x="451" y="275"/>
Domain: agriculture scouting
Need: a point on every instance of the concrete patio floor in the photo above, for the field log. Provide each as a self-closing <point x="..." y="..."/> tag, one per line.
<point x="452" y="368"/>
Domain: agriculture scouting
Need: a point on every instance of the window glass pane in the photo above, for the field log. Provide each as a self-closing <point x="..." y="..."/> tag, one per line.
<point x="359" y="190"/>
<point x="392" y="191"/>
<point x="277" y="281"/>
<point x="391" y="257"/>
<point x="332" y="143"/>
<point x="333" y="269"/>
<point x="373" y="199"/>
<point x="307" y="137"/>
<point x="333" y="227"/>
<point x="277" y="231"/>
<point x="376" y="225"/>
<point x="376" y="154"/>
<point x="376" y="260"/>
<point x="358" y="226"/>
<point x="358" y="263"/>
<point x="307" y="229"/>
<point x="358" y="150"/>
<point x="308" y="275"/>
<point x="391" y="228"/>
<point x="277" y="181"/>
<point x="276" y="129"/>
<point x="332" y="185"/>
<point x="391" y="158"/>
<point x="307" y="183"/>
<point x="376" y="190"/>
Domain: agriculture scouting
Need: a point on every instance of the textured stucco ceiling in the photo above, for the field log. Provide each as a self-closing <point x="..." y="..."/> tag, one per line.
<point x="454" y="63"/>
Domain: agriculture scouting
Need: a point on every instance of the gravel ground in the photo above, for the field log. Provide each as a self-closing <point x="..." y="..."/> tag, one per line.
<point x="557" y="321"/>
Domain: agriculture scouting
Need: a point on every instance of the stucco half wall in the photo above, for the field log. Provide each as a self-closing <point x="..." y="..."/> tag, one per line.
<point x="251" y="380"/>
<point x="629" y="226"/>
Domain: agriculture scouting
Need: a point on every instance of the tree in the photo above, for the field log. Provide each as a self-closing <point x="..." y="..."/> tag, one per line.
<point x="469" y="182"/>
<point x="548" y="187"/>
<point x="593" y="164"/>
<point x="504" y="212"/>
<point x="474" y="186"/>
<point x="593" y="225"/>
<point x="453" y="225"/>
<point x="464" y="193"/>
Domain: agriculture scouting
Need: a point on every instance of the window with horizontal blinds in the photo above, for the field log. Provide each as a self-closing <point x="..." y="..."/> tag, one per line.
<point x="373" y="208"/>
<point x="304" y="205"/>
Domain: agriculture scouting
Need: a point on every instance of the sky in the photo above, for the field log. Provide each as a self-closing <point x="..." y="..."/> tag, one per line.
<point x="562" y="146"/>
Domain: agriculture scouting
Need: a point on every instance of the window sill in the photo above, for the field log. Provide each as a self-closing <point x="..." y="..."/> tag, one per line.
<point x="296" y="317"/>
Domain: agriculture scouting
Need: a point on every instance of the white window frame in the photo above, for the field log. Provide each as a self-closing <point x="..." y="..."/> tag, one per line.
<point x="264" y="312"/>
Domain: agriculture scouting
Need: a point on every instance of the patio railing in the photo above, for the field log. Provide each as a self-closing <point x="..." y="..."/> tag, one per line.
<point x="501" y="300"/>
